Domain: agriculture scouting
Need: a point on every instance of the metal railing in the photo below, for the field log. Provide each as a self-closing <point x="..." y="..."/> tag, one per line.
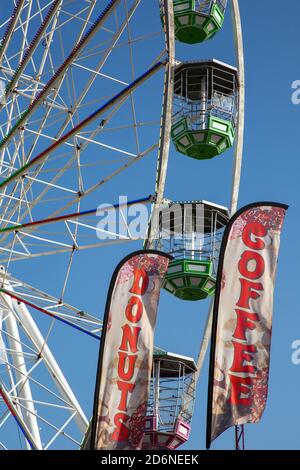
<point x="171" y="398"/>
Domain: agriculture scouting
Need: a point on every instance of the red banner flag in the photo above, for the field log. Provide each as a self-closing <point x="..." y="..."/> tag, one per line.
<point x="242" y="318"/>
<point x="125" y="359"/>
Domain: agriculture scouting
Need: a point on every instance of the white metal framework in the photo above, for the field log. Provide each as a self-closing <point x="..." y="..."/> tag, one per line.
<point x="72" y="122"/>
<point x="72" y="119"/>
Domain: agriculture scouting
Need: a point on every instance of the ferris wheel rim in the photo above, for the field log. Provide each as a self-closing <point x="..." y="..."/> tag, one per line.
<point x="237" y="165"/>
<point x="134" y="158"/>
<point x="165" y="140"/>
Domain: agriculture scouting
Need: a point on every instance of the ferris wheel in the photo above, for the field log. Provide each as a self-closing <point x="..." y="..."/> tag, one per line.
<point x="74" y="131"/>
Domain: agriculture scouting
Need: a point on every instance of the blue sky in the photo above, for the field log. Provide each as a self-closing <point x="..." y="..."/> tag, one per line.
<point x="270" y="172"/>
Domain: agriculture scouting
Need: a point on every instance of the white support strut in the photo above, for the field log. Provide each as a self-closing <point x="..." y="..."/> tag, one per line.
<point x="237" y="29"/>
<point x="238" y="156"/>
<point x="30" y="328"/>
<point x="11" y="27"/>
<point x="23" y="390"/>
<point x="166" y="121"/>
<point x="50" y="362"/>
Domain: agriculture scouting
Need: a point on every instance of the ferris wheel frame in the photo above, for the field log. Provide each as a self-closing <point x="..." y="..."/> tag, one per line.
<point x="14" y="303"/>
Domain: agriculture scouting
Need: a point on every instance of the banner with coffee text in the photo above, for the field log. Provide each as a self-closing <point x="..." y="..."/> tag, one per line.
<point x="242" y="318"/>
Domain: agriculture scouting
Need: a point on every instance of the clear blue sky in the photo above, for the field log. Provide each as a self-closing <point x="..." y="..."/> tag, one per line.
<point x="270" y="172"/>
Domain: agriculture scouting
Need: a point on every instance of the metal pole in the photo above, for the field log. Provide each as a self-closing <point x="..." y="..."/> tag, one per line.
<point x="239" y="437"/>
<point x="203" y="102"/>
<point x="205" y="341"/>
<point x="156" y="389"/>
<point x="166" y="123"/>
<point x="46" y="312"/>
<point x="73" y="215"/>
